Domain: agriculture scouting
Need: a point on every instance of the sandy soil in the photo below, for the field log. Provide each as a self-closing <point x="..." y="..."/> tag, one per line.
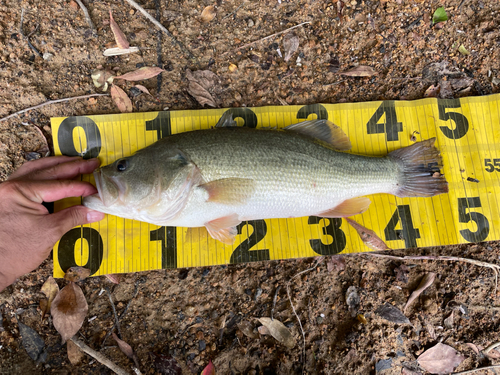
<point x="180" y="312"/>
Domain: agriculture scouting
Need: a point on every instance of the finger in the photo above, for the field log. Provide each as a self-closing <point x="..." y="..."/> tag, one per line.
<point x="43" y="163"/>
<point x="64" y="220"/>
<point x="65" y="171"/>
<point x="53" y="190"/>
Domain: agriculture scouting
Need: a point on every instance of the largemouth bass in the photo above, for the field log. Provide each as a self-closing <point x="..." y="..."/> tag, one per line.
<point x="220" y="177"/>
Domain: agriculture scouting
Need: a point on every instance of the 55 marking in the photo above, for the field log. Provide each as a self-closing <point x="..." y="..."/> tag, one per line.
<point x="492" y="165"/>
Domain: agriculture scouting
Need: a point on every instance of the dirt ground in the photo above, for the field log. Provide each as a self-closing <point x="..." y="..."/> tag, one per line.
<point x="179" y="313"/>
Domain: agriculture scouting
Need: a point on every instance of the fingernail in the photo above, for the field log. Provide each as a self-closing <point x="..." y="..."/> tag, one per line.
<point x="93" y="216"/>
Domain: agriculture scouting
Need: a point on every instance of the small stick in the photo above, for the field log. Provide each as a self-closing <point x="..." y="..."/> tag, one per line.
<point x="27" y="37"/>
<point x="321" y="259"/>
<point x="99" y="357"/>
<point x="475" y="370"/>
<point x="162" y="28"/>
<point x="49" y="102"/>
<point x="491" y="347"/>
<point x="479" y="263"/>
<point x="136" y="291"/>
<point x="87" y="17"/>
<point x="117" y="322"/>
<point x="274" y="301"/>
<point x="233" y="12"/>
<point x="267" y="37"/>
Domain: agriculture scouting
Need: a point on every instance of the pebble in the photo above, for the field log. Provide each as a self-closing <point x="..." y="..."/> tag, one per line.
<point x="250" y="22"/>
<point x="202" y="345"/>
<point x="47" y="56"/>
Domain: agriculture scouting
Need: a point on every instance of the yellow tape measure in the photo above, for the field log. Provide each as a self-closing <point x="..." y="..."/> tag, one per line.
<point x="468" y="133"/>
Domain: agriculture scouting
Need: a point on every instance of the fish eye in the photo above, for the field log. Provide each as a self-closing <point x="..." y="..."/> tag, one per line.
<point x="122" y="165"/>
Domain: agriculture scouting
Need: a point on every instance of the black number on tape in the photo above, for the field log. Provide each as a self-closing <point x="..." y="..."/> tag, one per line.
<point x="391" y="127"/>
<point x="409" y="234"/>
<point x="332" y="229"/>
<point x="92" y="136"/>
<point x="492" y="167"/>
<point x="248" y="116"/>
<point x="244" y="253"/>
<point x="161" y="124"/>
<point x="483" y="225"/>
<point x="168" y="238"/>
<point x="461" y="122"/>
<point x="318" y="109"/>
<point x="66" y="252"/>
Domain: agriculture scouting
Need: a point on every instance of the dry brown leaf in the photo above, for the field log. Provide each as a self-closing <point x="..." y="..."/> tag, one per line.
<point x="126" y="349"/>
<point x="263" y="330"/>
<point x="247" y="328"/>
<point x="75" y="355"/>
<point x="119" y="51"/>
<point x="440" y="359"/>
<point x="335" y="262"/>
<point x="146" y="91"/>
<point x="426" y="282"/>
<point x="69" y="310"/>
<point x="368" y="236"/>
<point x="121" y="99"/>
<point x="141" y="74"/>
<point x="278" y="331"/>
<point x="392" y="314"/>
<point x="77" y="274"/>
<point x="208" y="14"/>
<point x="359" y="71"/>
<point x="200" y="82"/>
<point x="493" y="354"/>
<point x="432" y="91"/>
<point x="120" y="38"/>
<point x="290" y="44"/>
<point x="113" y="277"/>
<point x="448" y="322"/>
<point x="50" y="289"/>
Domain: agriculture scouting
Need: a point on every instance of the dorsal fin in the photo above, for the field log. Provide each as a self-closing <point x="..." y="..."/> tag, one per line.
<point x="226" y="121"/>
<point x="323" y="130"/>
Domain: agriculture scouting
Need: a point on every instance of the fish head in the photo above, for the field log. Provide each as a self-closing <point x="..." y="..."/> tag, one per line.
<point x="145" y="182"/>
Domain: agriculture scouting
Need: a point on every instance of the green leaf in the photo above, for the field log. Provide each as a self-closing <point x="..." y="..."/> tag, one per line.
<point x="439" y="16"/>
<point x="463" y="50"/>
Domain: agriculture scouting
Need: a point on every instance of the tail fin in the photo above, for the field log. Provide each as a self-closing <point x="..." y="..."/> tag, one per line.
<point x="420" y="164"/>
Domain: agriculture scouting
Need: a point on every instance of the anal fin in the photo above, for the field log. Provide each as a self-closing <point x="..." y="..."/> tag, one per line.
<point x="224" y="229"/>
<point x="350" y="207"/>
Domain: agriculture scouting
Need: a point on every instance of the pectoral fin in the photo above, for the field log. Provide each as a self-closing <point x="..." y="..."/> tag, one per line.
<point x="232" y="191"/>
<point x="224" y="228"/>
<point x="323" y="130"/>
<point x="347" y="208"/>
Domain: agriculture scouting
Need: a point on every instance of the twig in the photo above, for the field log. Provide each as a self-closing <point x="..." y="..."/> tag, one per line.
<point x="233" y="12"/>
<point x="136" y="290"/>
<point x="321" y="259"/>
<point x="87" y="17"/>
<point x="479" y="263"/>
<point x="475" y="370"/>
<point x="162" y="28"/>
<point x="335" y="83"/>
<point x="159" y="61"/>
<point x="49" y="102"/>
<point x="99" y="357"/>
<point x="267" y="37"/>
<point x="491" y="347"/>
<point x="117" y="322"/>
<point x="274" y="301"/>
<point x="27" y="38"/>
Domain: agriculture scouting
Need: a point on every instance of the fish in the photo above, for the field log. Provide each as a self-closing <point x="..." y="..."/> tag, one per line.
<point x="217" y="178"/>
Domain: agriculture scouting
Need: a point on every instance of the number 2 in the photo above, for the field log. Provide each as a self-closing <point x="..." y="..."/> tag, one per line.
<point x="244" y="253"/>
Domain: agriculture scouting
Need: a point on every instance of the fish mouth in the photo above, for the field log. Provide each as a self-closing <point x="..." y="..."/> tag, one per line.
<point x="107" y="189"/>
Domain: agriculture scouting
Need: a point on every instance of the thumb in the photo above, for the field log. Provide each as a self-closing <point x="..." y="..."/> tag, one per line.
<point x="64" y="220"/>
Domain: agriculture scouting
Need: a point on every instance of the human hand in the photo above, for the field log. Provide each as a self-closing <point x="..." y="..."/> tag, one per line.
<point x="27" y="231"/>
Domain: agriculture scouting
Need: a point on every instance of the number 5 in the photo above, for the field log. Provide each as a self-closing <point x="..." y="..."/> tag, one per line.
<point x="461" y="122"/>
<point x="483" y="225"/>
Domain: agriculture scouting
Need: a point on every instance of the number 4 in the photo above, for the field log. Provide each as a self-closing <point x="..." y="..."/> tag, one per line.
<point x="409" y="233"/>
